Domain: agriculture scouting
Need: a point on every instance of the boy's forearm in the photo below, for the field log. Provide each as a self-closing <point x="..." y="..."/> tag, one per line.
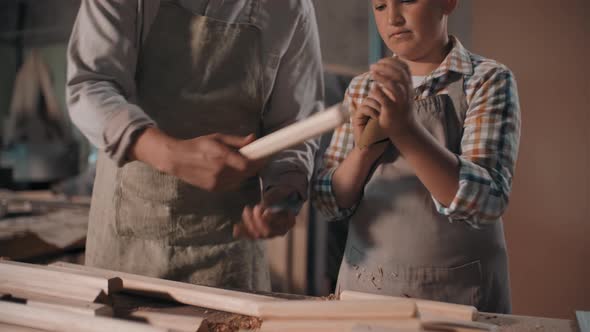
<point x="436" y="167"/>
<point x="350" y="176"/>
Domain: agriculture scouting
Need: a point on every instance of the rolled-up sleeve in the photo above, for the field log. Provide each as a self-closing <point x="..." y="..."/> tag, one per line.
<point x="489" y="151"/>
<point x="297" y="94"/>
<point x="102" y="57"/>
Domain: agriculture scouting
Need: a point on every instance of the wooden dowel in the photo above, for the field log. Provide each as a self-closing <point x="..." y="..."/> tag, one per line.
<point x="296" y="133"/>
<point x="312" y="309"/>
<point x="338" y="325"/>
<point x="17" y="272"/>
<point x="201" y="296"/>
<point x="426" y="309"/>
<point x="58" y="320"/>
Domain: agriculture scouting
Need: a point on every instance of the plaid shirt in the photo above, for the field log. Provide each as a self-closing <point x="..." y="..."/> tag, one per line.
<point x="489" y="143"/>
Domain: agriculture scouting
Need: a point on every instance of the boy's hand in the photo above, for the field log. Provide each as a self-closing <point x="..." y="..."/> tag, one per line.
<point x="394" y="96"/>
<point x="369" y="109"/>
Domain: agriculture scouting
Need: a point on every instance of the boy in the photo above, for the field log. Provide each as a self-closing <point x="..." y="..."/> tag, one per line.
<point x="426" y="202"/>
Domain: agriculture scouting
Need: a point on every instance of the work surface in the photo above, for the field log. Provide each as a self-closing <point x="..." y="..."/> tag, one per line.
<point x="221" y="321"/>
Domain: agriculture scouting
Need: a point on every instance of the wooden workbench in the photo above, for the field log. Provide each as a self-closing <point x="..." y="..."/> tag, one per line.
<point x="125" y="304"/>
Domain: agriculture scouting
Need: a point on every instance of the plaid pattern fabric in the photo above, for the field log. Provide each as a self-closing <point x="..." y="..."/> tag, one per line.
<point x="489" y="143"/>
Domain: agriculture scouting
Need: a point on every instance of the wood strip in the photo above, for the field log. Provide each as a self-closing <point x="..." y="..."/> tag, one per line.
<point x="200" y="296"/>
<point x="457" y="326"/>
<point x="48" y="301"/>
<point x="337" y="325"/>
<point x="296" y="133"/>
<point x="58" y="320"/>
<point x="428" y="310"/>
<point x="16" y="271"/>
<point x="179" y="323"/>
<point x="313" y="309"/>
<point x="57" y="290"/>
<point x="17" y="328"/>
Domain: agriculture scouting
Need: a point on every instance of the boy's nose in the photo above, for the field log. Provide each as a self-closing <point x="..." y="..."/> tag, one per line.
<point x="394" y="16"/>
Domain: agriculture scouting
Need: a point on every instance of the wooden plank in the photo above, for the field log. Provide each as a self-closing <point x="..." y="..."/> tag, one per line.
<point x="201" y="296"/>
<point x="17" y="328"/>
<point x="458" y="326"/>
<point x="56" y="290"/>
<point x="15" y="271"/>
<point x="48" y="301"/>
<point x="181" y="323"/>
<point x="428" y="310"/>
<point x="337" y="325"/>
<point x="58" y="320"/>
<point x="313" y="309"/>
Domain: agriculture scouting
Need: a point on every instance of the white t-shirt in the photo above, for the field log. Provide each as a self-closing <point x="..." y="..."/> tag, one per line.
<point x="417" y="80"/>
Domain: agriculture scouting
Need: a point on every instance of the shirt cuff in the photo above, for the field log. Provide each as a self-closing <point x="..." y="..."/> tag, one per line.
<point x="122" y="130"/>
<point x="326" y="200"/>
<point x="473" y="187"/>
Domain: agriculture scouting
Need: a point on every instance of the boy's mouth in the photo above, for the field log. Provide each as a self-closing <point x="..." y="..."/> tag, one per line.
<point x="399" y="33"/>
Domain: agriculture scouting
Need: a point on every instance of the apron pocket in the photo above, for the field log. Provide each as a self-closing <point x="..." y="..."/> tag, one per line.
<point x="461" y="284"/>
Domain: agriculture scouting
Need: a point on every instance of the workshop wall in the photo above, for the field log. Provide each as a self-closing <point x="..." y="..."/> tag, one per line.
<point x="545" y="43"/>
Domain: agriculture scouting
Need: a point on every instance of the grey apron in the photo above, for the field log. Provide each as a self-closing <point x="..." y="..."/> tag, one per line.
<point x="398" y="244"/>
<point x="195" y="76"/>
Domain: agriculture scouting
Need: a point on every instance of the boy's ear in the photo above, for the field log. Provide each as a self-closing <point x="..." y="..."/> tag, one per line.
<point x="448" y="6"/>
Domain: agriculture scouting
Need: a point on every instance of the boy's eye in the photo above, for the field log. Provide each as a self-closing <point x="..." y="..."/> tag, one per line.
<point x="407" y="1"/>
<point x="380" y="7"/>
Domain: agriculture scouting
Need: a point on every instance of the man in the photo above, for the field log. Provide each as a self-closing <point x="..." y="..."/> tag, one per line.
<point x="169" y="91"/>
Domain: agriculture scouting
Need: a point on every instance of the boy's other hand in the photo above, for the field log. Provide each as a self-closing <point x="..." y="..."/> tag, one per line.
<point x="394" y="95"/>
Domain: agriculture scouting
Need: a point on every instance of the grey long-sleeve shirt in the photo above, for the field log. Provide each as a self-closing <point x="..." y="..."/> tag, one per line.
<point x="102" y="58"/>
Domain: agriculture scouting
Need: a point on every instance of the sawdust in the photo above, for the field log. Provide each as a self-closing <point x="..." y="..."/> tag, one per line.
<point x="234" y="324"/>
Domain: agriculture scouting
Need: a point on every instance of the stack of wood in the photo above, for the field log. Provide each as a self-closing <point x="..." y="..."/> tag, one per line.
<point x="70" y="297"/>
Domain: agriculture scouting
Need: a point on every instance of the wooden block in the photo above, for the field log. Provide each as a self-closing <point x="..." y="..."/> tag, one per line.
<point x="179" y="323"/>
<point x="36" y="287"/>
<point x="47" y="301"/>
<point x="201" y="296"/>
<point x="338" y="325"/>
<point x="58" y="320"/>
<point x="313" y="309"/>
<point x="15" y="271"/>
<point x="428" y="310"/>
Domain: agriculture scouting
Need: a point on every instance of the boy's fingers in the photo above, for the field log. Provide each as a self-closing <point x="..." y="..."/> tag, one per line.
<point x="389" y="72"/>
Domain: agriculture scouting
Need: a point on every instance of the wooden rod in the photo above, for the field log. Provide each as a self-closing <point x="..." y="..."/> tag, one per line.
<point x="426" y="309"/>
<point x="296" y="133"/>
<point x="313" y="309"/>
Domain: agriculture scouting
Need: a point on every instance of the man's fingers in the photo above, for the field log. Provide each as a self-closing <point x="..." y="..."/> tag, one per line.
<point x="248" y="223"/>
<point x="235" y="141"/>
<point x="260" y="223"/>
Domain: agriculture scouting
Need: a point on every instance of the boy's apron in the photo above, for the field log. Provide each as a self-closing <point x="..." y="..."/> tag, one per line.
<point x="398" y="244"/>
<point x="195" y="76"/>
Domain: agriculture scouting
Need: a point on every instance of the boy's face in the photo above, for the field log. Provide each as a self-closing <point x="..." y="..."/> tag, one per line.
<point x="413" y="28"/>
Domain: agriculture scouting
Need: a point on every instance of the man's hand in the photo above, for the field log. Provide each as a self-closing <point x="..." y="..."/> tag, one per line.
<point x="264" y="220"/>
<point x="394" y="96"/>
<point x="209" y="162"/>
